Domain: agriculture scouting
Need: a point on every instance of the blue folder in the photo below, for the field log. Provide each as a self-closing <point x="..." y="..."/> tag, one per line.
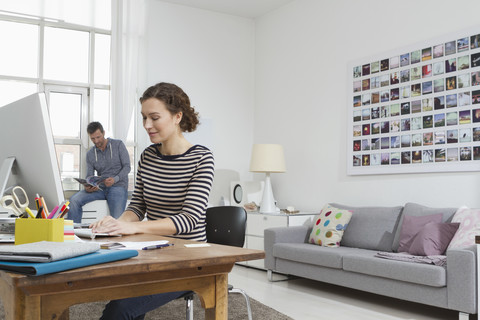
<point x="40" y="268"/>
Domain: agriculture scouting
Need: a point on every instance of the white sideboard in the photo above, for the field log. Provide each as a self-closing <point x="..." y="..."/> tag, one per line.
<point x="258" y="222"/>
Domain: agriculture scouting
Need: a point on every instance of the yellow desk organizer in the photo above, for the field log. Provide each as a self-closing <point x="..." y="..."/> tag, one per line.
<point x="34" y="230"/>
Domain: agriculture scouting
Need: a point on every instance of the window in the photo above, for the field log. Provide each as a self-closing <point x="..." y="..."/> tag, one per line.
<point x="68" y="59"/>
<point x="66" y="55"/>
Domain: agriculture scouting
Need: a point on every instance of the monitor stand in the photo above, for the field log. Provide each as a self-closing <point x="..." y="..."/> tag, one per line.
<point x="5" y="172"/>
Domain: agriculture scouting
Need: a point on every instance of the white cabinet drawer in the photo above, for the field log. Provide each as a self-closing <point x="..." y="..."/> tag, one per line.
<point x="301" y="220"/>
<point x="256" y="223"/>
<point x="254" y="242"/>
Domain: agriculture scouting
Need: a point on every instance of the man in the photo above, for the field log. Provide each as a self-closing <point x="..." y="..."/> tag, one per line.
<point x="109" y="158"/>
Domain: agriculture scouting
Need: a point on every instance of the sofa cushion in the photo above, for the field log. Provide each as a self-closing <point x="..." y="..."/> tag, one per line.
<point x="411" y="226"/>
<point x="371" y="227"/>
<point x="433" y="239"/>
<point x="469" y="220"/>
<point x="418" y="273"/>
<point x="413" y="209"/>
<point x="329" y="226"/>
<point x="312" y="254"/>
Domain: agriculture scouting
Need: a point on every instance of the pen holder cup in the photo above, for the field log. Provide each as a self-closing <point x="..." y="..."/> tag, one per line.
<point x="34" y="230"/>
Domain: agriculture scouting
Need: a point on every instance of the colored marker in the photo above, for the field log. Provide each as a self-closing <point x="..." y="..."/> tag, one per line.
<point x="52" y="214"/>
<point x="40" y="213"/>
<point x="64" y="213"/>
<point x="65" y="205"/>
<point x="37" y="201"/>
<point x="30" y="213"/>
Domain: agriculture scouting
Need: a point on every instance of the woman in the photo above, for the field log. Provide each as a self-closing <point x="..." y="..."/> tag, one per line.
<point x="173" y="182"/>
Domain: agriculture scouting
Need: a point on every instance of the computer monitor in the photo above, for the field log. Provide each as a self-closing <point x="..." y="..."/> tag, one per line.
<point x="27" y="151"/>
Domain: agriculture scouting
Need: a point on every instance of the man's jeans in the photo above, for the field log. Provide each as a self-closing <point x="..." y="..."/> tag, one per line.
<point x="116" y="198"/>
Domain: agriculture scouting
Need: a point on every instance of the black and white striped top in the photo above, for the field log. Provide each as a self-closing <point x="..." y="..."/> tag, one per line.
<point x="175" y="187"/>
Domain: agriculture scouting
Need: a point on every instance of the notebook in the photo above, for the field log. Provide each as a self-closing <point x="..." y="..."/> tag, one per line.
<point x="41" y="268"/>
<point x="46" y="251"/>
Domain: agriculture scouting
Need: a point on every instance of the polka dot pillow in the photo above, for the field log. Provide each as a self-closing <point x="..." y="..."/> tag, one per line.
<point x="329" y="225"/>
<point x="469" y="220"/>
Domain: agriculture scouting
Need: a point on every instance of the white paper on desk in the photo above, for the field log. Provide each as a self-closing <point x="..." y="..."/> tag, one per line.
<point x="197" y="245"/>
<point x="132" y="245"/>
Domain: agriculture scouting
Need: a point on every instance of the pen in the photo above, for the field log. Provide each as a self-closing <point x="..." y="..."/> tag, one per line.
<point x="45" y="212"/>
<point x="158" y="246"/>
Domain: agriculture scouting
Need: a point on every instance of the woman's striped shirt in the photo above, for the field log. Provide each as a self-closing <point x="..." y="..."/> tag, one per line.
<point x="175" y="187"/>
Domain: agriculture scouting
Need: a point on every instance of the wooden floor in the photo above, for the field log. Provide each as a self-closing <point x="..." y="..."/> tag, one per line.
<point x="304" y="299"/>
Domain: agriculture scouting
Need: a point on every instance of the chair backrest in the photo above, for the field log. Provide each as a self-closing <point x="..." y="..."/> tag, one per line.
<point x="226" y="225"/>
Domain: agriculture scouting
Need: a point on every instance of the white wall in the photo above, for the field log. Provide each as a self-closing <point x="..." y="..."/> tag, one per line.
<point x="211" y="57"/>
<point x="302" y="51"/>
<point x="283" y="79"/>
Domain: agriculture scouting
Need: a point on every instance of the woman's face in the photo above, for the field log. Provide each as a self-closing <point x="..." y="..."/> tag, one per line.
<point x="160" y="124"/>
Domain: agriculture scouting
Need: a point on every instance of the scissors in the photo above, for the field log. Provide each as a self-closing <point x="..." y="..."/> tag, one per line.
<point x="17" y="202"/>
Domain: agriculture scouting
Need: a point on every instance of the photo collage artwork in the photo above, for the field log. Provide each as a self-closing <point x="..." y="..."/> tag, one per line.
<point x="420" y="107"/>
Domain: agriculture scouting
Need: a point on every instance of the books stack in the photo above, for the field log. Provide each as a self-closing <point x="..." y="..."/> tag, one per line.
<point x="46" y="257"/>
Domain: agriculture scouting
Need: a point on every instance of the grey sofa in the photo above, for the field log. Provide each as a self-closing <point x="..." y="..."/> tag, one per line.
<point x="353" y="265"/>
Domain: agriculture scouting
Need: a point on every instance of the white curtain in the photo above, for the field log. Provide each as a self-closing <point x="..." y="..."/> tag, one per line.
<point x="128" y="17"/>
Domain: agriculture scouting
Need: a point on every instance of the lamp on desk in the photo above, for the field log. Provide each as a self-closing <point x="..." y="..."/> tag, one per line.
<point x="267" y="158"/>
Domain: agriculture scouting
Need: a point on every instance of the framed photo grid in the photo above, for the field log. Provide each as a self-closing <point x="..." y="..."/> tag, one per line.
<point x="416" y="109"/>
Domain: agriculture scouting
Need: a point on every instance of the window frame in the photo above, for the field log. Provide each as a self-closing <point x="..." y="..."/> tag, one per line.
<point x="85" y="89"/>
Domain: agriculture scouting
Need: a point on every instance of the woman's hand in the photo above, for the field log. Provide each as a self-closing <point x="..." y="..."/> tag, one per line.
<point x="113" y="226"/>
<point x="128" y="223"/>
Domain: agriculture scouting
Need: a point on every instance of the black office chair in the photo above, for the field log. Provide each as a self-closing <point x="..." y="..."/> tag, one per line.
<point x="225" y="225"/>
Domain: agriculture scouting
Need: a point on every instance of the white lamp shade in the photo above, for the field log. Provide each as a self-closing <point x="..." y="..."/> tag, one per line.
<point x="267" y="158"/>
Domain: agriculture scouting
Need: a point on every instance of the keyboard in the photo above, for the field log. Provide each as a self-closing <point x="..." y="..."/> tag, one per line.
<point x="87" y="233"/>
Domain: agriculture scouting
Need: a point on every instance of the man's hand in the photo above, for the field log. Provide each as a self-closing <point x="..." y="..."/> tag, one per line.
<point x="91" y="188"/>
<point x="109" y="182"/>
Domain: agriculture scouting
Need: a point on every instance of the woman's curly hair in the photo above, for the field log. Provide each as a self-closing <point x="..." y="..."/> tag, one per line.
<point x="176" y="100"/>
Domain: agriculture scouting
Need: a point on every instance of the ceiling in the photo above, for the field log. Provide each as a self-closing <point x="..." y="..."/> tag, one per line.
<point x="242" y="8"/>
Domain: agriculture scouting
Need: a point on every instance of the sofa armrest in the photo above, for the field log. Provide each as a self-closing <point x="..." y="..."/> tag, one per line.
<point x="294" y="234"/>
<point x="462" y="279"/>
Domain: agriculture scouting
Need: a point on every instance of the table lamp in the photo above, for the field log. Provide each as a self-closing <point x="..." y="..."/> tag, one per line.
<point x="267" y="158"/>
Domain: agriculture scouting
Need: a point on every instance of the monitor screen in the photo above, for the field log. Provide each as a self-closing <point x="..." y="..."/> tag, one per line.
<point x="26" y="136"/>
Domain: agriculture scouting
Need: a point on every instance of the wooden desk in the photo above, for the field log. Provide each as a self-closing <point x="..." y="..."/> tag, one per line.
<point x="203" y="270"/>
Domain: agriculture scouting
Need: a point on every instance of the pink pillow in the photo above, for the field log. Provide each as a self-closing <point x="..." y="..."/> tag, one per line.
<point x="433" y="239"/>
<point x="411" y="225"/>
<point x="469" y="220"/>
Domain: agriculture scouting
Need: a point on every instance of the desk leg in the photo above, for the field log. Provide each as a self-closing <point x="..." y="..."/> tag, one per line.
<point x="478" y="276"/>
<point x="220" y="311"/>
<point x="12" y="300"/>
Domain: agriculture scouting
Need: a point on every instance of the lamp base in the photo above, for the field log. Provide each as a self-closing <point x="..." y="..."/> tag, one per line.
<point x="268" y="202"/>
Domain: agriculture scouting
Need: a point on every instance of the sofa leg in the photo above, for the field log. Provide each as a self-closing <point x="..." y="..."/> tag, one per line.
<point x="276" y="277"/>
<point x="463" y="316"/>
